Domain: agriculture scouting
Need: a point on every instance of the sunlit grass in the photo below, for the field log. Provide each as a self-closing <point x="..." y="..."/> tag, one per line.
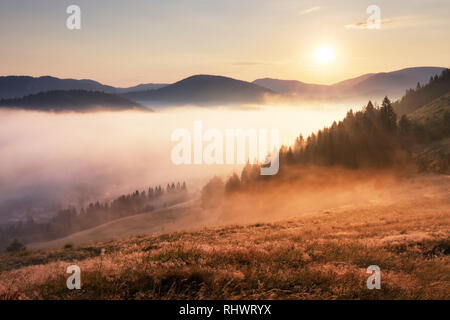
<point x="323" y="256"/>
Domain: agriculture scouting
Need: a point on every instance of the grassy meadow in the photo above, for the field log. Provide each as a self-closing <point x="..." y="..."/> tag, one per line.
<point x="320" y="255"/>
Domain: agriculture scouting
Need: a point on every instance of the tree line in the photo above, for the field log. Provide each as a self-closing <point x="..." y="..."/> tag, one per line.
<point x="423" y="94"/>
<point x="71" y="219"/>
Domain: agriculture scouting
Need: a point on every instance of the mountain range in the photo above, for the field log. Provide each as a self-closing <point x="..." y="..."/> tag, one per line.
<point x="20" y="86"/>
<point x="370" y="85"/>
<point x="212" y="89"/>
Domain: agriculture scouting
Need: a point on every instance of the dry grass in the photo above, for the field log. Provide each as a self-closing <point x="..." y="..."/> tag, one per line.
<point x="320" y="256"/>
<point x="163" y="220"/>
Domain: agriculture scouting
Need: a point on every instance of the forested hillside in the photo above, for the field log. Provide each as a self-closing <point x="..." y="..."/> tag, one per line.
<point x="375" y="137"/>
<point x="423" y="94"/>
<point x="70" y="220"/>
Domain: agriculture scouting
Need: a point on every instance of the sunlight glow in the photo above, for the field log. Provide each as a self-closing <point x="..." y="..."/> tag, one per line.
<point x="324" y="54"/>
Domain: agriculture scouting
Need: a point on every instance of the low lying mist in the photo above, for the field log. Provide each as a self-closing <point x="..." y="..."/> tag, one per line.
<point x="52" y="160"/>
<point x="312" y="189"/>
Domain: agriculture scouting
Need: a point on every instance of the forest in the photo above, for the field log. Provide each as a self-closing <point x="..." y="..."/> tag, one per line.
<point x="71" y="219"/>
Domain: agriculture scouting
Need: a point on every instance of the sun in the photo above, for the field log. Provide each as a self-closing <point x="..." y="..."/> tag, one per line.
<point x="324" y="54"/>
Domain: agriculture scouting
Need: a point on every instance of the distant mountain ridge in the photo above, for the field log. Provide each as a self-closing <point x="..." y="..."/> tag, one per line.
<point x="371" y="85"/>
<point x="212" y="89"/>
<point x="20" y="86"/>
<point x="141" y="87"/>
<point x="201" y="90"/>
<point x="72" y="100"/>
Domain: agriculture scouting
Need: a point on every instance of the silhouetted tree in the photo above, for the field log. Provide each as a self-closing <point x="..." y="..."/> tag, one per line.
<point x="388" y="116"/>
<point x="233" y="183"/>
<point x="16" y="246"/>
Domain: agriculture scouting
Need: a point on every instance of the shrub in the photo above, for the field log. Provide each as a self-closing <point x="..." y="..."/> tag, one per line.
<point x="68" y="246"/>
<point x="16" y="246"/>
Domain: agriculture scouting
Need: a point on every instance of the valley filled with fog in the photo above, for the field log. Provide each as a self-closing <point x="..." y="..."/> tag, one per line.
<point x="54" y="160"/>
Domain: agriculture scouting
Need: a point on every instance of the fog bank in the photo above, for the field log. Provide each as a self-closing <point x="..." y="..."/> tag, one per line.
<point x="52" y="160"/>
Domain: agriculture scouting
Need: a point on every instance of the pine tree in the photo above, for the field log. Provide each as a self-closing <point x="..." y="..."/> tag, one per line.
<point x="15" y="246"/>
<point x="233" y="183"/>
<point x="388" y="116"/>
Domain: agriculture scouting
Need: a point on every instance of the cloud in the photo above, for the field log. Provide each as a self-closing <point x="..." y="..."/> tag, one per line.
<point x="396" y="22"/>
<point x="306" y="11"/>
<point x="357" y="25"/>
<point x="364" y="25"/>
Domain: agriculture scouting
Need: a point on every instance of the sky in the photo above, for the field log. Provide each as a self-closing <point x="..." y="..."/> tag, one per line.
<point x="124" y="43"/>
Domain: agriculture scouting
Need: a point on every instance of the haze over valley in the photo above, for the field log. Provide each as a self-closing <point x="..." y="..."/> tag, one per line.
<point x="224" y="150"/>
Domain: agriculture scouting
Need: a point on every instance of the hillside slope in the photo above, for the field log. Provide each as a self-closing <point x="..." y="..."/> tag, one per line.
<point x="318" y="256"/>
<point x="321" y="255"/>
<point x="435" y="110"/>
<point x="416" y="98"/>
<point x="162" y="220"/>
